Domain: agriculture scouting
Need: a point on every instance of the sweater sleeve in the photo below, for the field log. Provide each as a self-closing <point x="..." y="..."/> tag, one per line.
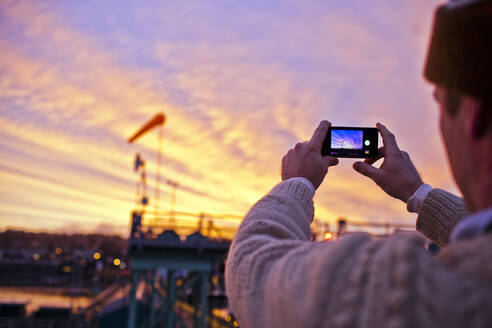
<point x="276" y="225"/>
<point x="277" y="277"/>
<point x="439" y="214"/>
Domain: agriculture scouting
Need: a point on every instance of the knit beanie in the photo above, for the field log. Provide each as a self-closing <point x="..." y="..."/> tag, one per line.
<point x="460" y="51"/>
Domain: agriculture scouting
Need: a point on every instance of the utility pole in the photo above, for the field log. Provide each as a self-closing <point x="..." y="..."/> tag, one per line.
<point x="174" y="185"/>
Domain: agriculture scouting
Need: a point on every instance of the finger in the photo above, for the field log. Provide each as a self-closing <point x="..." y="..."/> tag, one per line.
<point x="319" y="135"/>
<point x="289" y="154"/>
<point x="299" y="145"/>
<point x="389" y="139"/>
<point x="330" y="161"/>
<point x="283" y="173"/>
<point x="405" y="154"/>
<point x="367" y="170"/>
<point x="373" y="160"/>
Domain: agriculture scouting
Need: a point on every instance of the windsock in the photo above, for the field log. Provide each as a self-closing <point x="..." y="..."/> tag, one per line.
<point x="159" y="119"/>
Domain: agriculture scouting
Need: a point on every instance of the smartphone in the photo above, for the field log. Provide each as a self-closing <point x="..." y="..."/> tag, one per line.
<point x="351" y="142"/>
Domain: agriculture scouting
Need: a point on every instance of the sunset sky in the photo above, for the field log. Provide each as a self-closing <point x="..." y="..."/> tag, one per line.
<point x="240" y="83"/>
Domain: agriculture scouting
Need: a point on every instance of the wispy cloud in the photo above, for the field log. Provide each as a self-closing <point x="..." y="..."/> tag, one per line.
<point x="240" y="83"/>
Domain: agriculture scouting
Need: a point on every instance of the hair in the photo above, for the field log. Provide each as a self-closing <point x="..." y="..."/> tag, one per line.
<point x="452" y="102"/>
<point x="454" y="98"/>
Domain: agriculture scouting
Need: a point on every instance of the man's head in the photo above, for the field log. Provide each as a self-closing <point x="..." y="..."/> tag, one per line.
<point x="459" y="63"/>
<point x="466" y="128"/>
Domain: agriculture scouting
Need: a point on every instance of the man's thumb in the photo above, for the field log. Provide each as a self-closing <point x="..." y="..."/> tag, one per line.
<point x="330" y="161"/>
<point x="366" y="169"/>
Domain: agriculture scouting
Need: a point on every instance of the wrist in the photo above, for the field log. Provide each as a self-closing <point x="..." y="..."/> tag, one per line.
<point x="306" y="182"/>
<point x="415" y="201"/>
<point x="301" y="187"/>
<point x="412" y="189"/>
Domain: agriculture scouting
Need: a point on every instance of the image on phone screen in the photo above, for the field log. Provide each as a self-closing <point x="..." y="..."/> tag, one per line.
<point x="346" y="139"/>
<point x="351" y="142"/>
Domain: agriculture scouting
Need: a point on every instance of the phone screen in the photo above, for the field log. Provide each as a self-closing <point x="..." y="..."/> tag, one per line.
<point x="346" y="139"/>
<point x="351" y="142"/>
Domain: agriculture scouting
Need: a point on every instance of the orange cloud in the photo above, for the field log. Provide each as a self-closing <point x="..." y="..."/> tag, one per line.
<point x="69" y="101"/>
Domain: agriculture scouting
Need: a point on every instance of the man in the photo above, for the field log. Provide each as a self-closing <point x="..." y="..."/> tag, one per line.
<point x="277" y="277"/>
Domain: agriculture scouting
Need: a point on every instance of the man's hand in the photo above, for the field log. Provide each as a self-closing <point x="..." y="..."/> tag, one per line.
<point x="305" y="159"/>
<point x="397" y="176"/>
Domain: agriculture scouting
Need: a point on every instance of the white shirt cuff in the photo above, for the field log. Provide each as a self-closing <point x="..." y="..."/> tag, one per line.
<point x="305" y="181"/>
<point x="415" y="201"/>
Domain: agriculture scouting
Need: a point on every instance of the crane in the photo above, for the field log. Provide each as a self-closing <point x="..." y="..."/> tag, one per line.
<point x="141" y="194"/>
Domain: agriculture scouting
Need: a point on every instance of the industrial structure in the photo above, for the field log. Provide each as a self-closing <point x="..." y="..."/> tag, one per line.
<point x="176" y="263"/>
<point x="173" y="272"/>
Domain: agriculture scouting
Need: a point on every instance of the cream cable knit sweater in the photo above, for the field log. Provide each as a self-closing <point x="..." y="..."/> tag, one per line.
<point x="277" y="277"/>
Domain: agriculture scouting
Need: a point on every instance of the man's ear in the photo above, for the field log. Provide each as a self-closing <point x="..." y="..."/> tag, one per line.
<point x="477" y="119"/>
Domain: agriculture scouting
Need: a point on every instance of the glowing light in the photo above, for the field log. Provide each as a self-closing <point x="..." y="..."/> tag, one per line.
<point x="58" y="251"/>
<point x="215" y="280"/>
<point x="67" y="269"/>
<point x="36" y="256"/>
<point x="328" y="236"/>
<point x="235" y="323"/>
<point x="116" y="261"/>
<point x="227" y="318"/>
<point x="97" y="256"/>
